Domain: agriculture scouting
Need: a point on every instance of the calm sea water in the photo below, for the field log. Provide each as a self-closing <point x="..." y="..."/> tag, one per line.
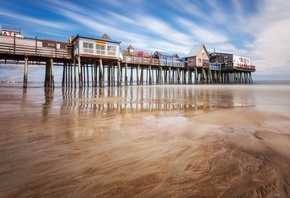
<point x="145" y="141"/>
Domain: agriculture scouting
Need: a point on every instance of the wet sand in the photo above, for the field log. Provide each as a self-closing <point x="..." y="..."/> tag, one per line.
<point x="170" y="141"/>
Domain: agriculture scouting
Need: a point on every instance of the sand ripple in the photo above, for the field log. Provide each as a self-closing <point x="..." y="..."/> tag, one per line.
<point x="59" y="152"/>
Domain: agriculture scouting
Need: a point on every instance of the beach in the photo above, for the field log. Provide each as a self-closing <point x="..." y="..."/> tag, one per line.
<point x="145" y="141"/>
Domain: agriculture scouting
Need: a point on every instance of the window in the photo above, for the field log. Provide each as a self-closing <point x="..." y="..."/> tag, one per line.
<point x="100" y="49"/>
<point x="112" y="50"/>
<point x="88" y="48"/>
<point x="62" y="46"/>
<point x="48" y="44"/>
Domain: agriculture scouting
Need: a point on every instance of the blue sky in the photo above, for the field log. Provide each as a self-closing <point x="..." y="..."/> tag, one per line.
<point x="258" y="29"/>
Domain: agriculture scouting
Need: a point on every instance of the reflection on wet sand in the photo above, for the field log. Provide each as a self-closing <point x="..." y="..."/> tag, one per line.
<point x="146" y="99"/>
<point x="159" y="141"/>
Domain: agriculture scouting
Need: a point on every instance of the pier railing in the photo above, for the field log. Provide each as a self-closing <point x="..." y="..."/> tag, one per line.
<point x="151" y="61"/>
<point x="34" y="47"/>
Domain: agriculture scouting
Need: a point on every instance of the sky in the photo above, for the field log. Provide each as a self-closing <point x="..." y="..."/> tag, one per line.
<point x="257" y="29"/>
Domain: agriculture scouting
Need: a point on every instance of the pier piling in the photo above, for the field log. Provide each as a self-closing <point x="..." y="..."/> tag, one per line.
<point x="25" y="77"/>
<point x="101" y="73"/>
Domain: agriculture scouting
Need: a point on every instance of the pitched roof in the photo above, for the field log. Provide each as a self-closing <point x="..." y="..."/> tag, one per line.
<point x="175" y="55"/>
<point x="130" y="47"/>
<point x="195" y="50"/>
<point x="105" y="36"/>
<point x="94" y="38"/>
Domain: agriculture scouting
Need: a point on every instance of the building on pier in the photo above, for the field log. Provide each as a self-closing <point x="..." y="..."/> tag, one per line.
<point x="234" y="68"/>
<point x="166" y="59"/>
<point x="131" y="52"/>
<point x="198" y="57"/>
<point x="11" y="30"/>
<point x="231" y="62"/>
<point x="132" y="56"/>
<point x="96" y="47"/>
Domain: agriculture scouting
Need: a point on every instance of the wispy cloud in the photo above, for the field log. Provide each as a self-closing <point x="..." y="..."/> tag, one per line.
<point x="37" y="22"/>
<point x="271" y="44"/>
<point x="203" y="35"/>
<point x="257" y="29"/>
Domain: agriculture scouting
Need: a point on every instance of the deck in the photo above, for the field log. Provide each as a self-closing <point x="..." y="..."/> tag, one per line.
<point x="24" y="51"/>
<point x="18" y="48"/>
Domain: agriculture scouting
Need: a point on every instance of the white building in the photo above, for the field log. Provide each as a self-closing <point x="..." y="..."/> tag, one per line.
<point x="233" y="60"/>
<point x="96" y="47"/>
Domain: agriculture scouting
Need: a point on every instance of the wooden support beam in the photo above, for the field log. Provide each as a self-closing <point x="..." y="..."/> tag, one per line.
<point x="88" y="75"/>
<point x="245" y="77"/>
<point x="157" y="76"/>
<point x="119" y="77"/>
<point x="69" y="65"/>
<point x="195" y="76"/>
<point x="178" y="76"/>
<point x="203" y="76"/>
<point x="147" y="76"/>
<point x="101" y="72"/>
<point x="70" y="68"/>
<point x="131" y="75"/>
<point x="250" y="77"/>
<point x="184" y="77"/>
<point x="80" y="72"/>
<point x="126" y="74"/>
<point x="51" y="74"/>
<point x="161" y="76"/>
<point x="142" y="76"/>
<point x="75" y="73"/>
<point x="210" y="76"/>
<point x="112" y="75"/>
<point x="109" y="74"/>
<point x="170" y="76"/>
<point x="173" y="76"/>
<point x="94" y="74"/>
<point x="241" y="77"/>
<point x="68" y="74"/>
<point x="165" y="76"/>
<point x="137" y="74"/>
<point x="63" y="82"/>
<point x="188" y="76"/>
<point x="150" y="75"/>
<point x="84" y="74"/>
<point x="25" y="76"/>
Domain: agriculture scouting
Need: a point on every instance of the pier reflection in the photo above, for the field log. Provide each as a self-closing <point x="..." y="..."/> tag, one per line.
<point x="48" y="99"/>
<point x="134" y="135"/>
<point x="162" y="100"/>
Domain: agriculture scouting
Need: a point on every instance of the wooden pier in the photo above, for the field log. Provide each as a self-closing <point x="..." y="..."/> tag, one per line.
<point x="87" y="70"/>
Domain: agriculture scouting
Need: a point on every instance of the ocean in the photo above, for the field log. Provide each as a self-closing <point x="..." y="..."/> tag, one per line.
<point x="145" y="141"/>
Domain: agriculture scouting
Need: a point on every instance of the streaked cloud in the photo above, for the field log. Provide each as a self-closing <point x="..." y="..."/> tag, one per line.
<point x="253" y="28"/>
